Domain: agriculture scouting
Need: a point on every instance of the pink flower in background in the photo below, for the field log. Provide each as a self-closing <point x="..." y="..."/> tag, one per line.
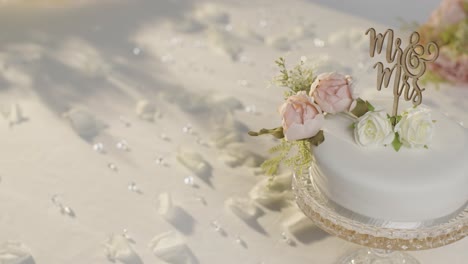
<point x="452" y="69"/>
<point x="332" y="92"/>
<point x="449" y="12"/>
<point x="302" y="118"/>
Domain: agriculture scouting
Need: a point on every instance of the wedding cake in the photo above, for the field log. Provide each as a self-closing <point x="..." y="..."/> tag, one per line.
<point x="399" y="168"/>
<point x="408" y="186"/>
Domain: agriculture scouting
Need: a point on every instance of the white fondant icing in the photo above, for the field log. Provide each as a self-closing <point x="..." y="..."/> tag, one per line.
<point x="405" y="186"/>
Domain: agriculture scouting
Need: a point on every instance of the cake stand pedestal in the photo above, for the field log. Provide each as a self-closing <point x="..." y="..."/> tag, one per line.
<point x="385" y="241"/>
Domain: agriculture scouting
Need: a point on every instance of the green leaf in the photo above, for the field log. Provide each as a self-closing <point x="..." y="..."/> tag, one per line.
<point x="370" y="107"/>
<point x="426" y="147"/>
<point x="361" y="108"/>
<point x="393" y="120"/>
<point x="396" y="142"/>
<point x="317" y="139"/>
<point x="276" y="132"/>
<point x="398" y="118"/>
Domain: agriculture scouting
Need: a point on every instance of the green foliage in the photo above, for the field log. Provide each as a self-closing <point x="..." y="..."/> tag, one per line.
<point x="456" y="36"/>
<point x="317" y="139"/>
<point x="396" y="142"/>
<point x="298" y="79"/>
<point x="302" y="158"/>
<point x="395" y="120"/>
<point x="295" y="154"/>
<point x="276" y="132"/>
<point x="370" y="107"/>
<point x="272" y="165"/>
<point x="362" y="107"/>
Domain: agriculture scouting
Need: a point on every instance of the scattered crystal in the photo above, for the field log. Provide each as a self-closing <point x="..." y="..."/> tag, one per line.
<point x="136" y="51"/>
<point x="462" y="124"/>
<point x="122" y="145"/>
<point x="55" y="200"/>
<point x="126" y="235"/>
<point x="263" y="23"/>
<point x="200" y="199"/>
<point x="133" y="187"/>
<point x="303" y="58"/>
<point x="228" y="27"/>
<point x="67" y="210"/>
<point x="112" y="166"/>
<point x="216" y="226"/>
<point x="319" y="43"/>
<point x="63" y="209"/>
<point x="189" y="180"/>
<point x="240" y="241"/>
<point x="286" y="239"/>
<point x="124" y="121"/>
<point x="251" y="109"/>
<point x="164" y="137"/>
<point x="201" y="142"/>
<point x="159" y="160"/>
<point x="187" y="128"/>
<point x="98" y="147"/>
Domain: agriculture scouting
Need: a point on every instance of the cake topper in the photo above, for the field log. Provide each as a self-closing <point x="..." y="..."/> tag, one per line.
<point x="409" y="64"/>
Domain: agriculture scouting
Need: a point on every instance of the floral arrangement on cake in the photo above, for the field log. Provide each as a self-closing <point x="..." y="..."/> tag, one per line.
<point x="448" y="27"/>
<point x="309" y="99"/>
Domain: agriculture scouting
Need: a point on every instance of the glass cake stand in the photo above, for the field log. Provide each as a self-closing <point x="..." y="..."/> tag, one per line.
<point x="385" y="241"/>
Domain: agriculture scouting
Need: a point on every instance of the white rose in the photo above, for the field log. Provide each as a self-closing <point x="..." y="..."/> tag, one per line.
<point x="374" y="129"/>
<point x="415" y="127"/>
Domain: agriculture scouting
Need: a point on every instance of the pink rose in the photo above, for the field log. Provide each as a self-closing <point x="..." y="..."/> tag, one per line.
<point x="302" y="118"/>
<point x="448" y="13"/>
<point x="332" y="92"/>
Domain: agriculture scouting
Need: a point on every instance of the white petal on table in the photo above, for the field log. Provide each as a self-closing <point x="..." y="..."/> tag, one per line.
<point x="145" y="110"/>
<point x="172" y="248"/>
<point x="272" y="192"/>
<point x="13" y="252"/>
<point x="118" y="247"/>
<point x="243" y="208"/>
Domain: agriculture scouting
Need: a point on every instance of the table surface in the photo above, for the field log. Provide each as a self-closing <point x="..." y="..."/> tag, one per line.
<point x="97" y="61"/>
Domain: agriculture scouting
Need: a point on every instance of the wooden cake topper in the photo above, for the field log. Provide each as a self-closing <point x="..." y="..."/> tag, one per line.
<point x="409" y="64"/>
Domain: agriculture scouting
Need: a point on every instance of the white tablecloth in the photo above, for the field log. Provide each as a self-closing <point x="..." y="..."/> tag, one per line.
<point x="96" y="61"/>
